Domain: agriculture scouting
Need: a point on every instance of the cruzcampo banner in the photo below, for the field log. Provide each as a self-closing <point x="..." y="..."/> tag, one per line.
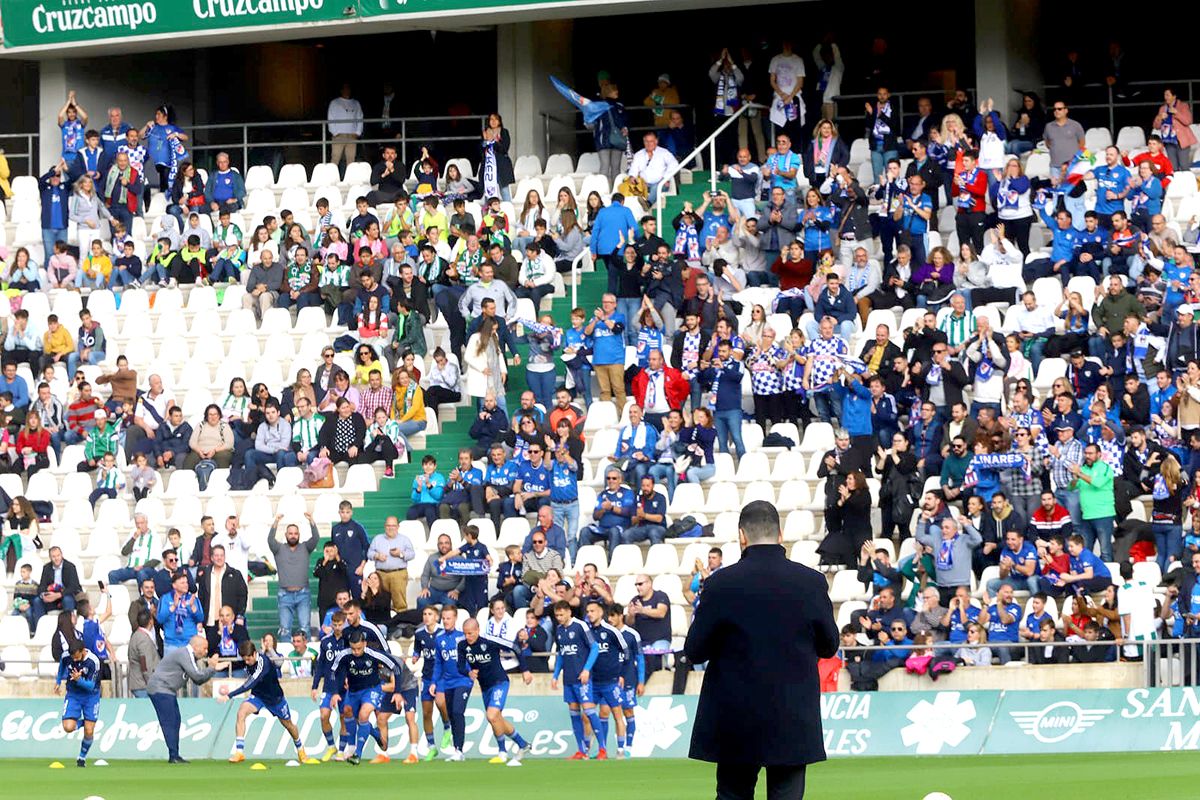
<point x="47" y="22"/>
<point x="856" y="724"/>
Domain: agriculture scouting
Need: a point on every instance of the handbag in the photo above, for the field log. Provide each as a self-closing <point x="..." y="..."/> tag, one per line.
<point x="318" y="474"/>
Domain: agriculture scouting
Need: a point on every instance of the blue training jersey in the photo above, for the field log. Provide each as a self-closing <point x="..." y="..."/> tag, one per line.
<point x="632" y="661"/>
<point x="484" y="657"/>
<point x="87" y="683"/>
<point x="425" y="645"/>
<point x="577" y="650"/>
<point x="327" y="651"/>
<point x="445" y="662"/>
<point x="358" y="673"/>
<point x="262" y="682"/>
<point x="610" y="653"/>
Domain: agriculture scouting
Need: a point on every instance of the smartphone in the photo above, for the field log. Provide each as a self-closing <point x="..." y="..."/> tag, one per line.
<point x="101" y="585"/>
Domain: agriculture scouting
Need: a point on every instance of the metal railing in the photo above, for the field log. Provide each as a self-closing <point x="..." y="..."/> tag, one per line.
<point x="710" y="144"/>
<point x="21" y="150"/>
<point x="1142" y="96"/>
<point x="1166" y="662"/>
<point x="849" y="114"/>
<point x="578" y="138"/>
<point x="310" y="142"/>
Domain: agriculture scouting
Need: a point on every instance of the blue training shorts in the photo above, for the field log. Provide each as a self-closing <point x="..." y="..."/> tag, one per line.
<point x="629" y="697"/>
<point x="356" y="700"/>
<point x="426" y="695"/>
<point x="578" y="693"/>
<point x="326" y="697"/>
<point x="81" y="707"/>
<point x="279" y="710"/>
<point x="608" y="694"/>
<point x="496" y="696"/>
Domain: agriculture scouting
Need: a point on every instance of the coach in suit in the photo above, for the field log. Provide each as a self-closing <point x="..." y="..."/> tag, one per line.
<point x="761" y="625"/>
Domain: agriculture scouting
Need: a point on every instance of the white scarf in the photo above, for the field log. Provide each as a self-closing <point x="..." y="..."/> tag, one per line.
<point x="491" y="184"/>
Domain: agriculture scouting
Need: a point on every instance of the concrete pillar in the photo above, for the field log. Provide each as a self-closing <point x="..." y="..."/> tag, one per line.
<point x="527" y="53"/>
<point x="52" y="93"/>
<point x="1005" y="57"/>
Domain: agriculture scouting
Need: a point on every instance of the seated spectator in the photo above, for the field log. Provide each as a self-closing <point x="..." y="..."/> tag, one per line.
<point x="975" y="652"/>
<point x="427" y="491"/>
<point x="342" y="434"/>
<point x="1003" y="620"/>
<point x="613" y="513"/>
<point x="931" y="616"/>
<point x="634" y="453"/>
<point x="649" y="613"/>
<point x="212" y="440"/>
<point x="649" y="516"/>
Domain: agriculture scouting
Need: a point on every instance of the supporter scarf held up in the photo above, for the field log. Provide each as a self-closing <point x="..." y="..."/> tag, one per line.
<point x="491" y="184"/>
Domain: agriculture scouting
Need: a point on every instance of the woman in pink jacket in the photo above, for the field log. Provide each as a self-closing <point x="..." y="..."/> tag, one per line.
<point x="1173" y="123"/>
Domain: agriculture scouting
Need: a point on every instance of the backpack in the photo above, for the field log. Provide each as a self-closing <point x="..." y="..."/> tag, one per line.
<point x="685" y="528"/>
<point x="243" y="479"/>
<point x="204" y="470"/>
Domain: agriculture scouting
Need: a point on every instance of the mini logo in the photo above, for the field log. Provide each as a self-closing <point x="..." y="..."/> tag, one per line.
<point x="1058" y="721"/>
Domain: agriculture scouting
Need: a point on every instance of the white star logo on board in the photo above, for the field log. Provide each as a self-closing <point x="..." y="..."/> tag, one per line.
<point x="935" y="725"/>
<point x="658" y="725"/>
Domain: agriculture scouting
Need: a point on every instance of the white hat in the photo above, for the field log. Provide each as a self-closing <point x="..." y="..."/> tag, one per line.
<point x="100" y="414"/>
<point x="1185" y="309"/>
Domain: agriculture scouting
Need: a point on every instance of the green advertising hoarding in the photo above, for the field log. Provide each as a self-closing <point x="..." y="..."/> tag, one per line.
<point x="41" y="23"/>
<point x="29" y="23"/>
<point x="856" y="724"/>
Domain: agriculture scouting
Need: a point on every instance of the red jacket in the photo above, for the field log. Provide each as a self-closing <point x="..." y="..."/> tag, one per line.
<point x="677" y="387"/>
<point x="976" y="188"/>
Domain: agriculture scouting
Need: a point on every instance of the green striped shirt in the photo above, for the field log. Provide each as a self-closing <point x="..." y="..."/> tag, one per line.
<point x="306" y="431"/>
<point x="958" y="329"/>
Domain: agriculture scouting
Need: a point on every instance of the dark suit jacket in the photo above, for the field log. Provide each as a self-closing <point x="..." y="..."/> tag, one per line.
<point x="233" y="589"/>
<point x="70" y="579"/>
<point x="761" y="625"/>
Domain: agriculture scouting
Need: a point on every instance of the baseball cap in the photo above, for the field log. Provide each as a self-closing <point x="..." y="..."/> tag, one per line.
<point x="1185" y="309"/>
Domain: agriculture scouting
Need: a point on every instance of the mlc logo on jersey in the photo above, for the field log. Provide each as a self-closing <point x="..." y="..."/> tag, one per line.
<point x="1059" y="721"/>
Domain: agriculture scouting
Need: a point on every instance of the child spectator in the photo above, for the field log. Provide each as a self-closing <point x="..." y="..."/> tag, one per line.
<point x="108" y="480"/>
<point x="161" y="262"/>
<point x="385" y="441"/>
<point x="141" y="477"/>
<point x="61" y="268"/>
<point x="96" y="269"/>
<point x="128" y="267"/>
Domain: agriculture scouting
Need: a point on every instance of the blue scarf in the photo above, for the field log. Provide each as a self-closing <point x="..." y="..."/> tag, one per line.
<point x="945" y="556"/>
<point x="491" y="183"/>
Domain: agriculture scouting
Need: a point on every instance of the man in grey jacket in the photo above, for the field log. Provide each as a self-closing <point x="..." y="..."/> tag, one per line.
<point x="272" y="442"/>
<point x="172" y="674"/>
<point x="778" y="225"/>
<point x="263" y="284"/>
<point x="438" y="588"/>
<point x="951" y="553"/>
<point x="292" y="566"/>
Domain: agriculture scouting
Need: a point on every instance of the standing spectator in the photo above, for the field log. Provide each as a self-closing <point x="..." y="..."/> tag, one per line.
<point x="226" y="191"/>
<point x="291" y="563"/>
<point x="497" y="135"/>
<point x="123" y="185"/>
<point x="333" y="578"/>
<point x="350" y="537"/>
<point x="665" y="94"/>
<point x="180" y="614"/>
<point x="883" y="124"/>
<point x="1064" y="136"/>
<point x="830" y="69"/>
<point x="607" y="327"/>
<point x="649" y="612"/>
<point x="391" y="551"/>
<point x="1173" y="124"/>
<point x="55" y="189"/>
<point x="653" y="164"/>
<point x="610" y="135"/>
<point x="143" y="653"/>
<point x="951" y="553"/>
<point x="115" y="133"/>
<point x="1093" y="485"/>
<point x="786" y="72"/>
<point x="345" y="118"/>
<point x="218" y="584"/>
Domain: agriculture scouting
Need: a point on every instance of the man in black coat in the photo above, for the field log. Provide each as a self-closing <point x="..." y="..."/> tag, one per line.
<point x="232" y="587"/>
<point x="761" y="625"/>
<point x="57" y="588"/>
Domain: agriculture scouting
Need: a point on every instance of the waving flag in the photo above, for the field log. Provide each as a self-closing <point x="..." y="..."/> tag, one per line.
<point x="592" y="109"/>
<point x="1081" y="164"/>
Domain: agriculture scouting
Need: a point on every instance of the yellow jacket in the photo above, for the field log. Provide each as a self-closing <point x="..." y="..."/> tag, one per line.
<point x="59" y="341"/>
<point x="416" y="412"/>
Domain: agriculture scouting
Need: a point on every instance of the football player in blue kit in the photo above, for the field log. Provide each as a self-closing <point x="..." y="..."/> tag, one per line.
<point x="330" y="646"/>
<point x="424" y="648"/>
<point x="450" y="686"/>
<point x="635" y="674"/>
<point x="577" y="652"/>
<point x="356" y="674"/>
<point x="80" y="670"/>
<point x="479" y="659"/>
<point x="608" y="676"/>
<point x="265" y="692"/>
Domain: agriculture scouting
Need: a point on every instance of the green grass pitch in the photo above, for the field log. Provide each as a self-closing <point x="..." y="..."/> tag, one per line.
<point x="1101" y="776"/>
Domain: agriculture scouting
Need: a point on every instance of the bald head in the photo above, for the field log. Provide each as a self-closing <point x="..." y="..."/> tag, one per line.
<point x="471" y="625"/>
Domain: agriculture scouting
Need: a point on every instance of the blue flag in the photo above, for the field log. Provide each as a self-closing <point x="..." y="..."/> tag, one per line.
<point x="464" y="566"/>
<point x="592" y="109"/>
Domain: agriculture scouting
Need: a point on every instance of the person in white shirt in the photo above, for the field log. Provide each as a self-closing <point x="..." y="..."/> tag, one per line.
<point x="1029" y="321"/>
<point x="237" y="547"/>
<point x="786" y="72"/>
<point x="345" y="117"/>
<point x="652" y="164"/>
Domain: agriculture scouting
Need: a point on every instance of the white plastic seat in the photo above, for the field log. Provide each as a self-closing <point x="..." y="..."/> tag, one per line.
<point x="593" y="554"/>
<point x="661" y="559"/>
<point x="846" y="586"/>
<point x="753" y="467"/>
<point x="625" y="559"/>
<point x="291" y="175"/>
<point x="722" y="497"/>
